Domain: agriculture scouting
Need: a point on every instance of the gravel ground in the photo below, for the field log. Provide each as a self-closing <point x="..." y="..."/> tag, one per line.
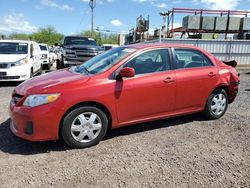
<point x="179" y="152"/>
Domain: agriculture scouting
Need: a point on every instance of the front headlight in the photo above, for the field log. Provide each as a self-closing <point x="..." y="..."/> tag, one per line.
<point x="36" y="100"/>
<point x="21" y="62"/>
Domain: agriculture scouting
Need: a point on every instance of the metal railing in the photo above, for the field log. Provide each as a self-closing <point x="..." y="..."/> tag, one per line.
<point x="238" y="50"/>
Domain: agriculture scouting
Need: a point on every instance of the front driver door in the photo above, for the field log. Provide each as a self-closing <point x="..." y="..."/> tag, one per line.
<point x="151" y="92"/>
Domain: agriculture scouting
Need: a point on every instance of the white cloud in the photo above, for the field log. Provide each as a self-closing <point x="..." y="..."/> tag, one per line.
<point x="16" y="23"/>
<point x="53" y="4"/>
<point x="220" y="4"/>
<point x="161" y="5"/>
<point x="116" y="22"/>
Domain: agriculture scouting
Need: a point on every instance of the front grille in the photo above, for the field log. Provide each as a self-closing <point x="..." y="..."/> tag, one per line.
<point x="3" y="73"/>
<point x="9" y="77"/>
<point x="16" y="98"/>
<point x="3" y="65"/>
<point x="85" y="53"/>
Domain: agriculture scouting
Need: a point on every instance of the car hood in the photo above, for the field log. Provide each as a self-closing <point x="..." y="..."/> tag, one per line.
<point x="52" y="82"/>
<point x="11" y="58"/>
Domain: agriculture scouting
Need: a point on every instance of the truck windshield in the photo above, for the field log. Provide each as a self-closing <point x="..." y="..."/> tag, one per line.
<point x="13" y="48"/>
<point x="79" y="41"/>
<point x="104" y="61"/>
<point x="43" y="48"/>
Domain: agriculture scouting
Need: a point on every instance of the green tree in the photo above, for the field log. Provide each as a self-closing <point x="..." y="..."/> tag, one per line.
<point x="95" y="35"/>
<point x="20" y="36"/>
<point x="102" y="38"/>
<point x="47" y="35"/>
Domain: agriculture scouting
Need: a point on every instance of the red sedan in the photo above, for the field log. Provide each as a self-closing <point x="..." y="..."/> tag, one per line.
<point x="123" y="86"/>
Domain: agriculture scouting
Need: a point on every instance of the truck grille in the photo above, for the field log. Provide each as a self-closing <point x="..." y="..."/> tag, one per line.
<point x="83" y="53"/>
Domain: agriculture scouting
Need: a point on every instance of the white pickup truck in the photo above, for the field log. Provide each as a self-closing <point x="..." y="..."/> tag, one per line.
<point x="19" y="60"/>
<point x="45" y="56"/>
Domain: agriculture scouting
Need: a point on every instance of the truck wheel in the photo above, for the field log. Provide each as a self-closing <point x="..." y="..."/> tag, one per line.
<point x="84" y="127"/>
<point x="58" y="64"/>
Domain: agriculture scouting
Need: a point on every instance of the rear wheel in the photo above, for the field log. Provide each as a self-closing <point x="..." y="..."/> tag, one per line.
<point x="84" y="127"/>
<point x="217" y="104"/>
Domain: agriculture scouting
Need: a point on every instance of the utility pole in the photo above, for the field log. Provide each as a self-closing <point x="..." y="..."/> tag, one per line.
<point x="92" y="4"/>
<point x="164" y="15"/>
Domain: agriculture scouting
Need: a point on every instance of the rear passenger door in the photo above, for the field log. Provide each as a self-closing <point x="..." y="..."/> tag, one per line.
<point x="196" y="77"/>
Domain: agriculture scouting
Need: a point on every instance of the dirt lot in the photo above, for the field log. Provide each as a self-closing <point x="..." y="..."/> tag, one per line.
<point x="180" y="152"/>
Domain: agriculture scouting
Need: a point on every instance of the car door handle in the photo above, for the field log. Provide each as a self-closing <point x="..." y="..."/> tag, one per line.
<point x="168" y="80"/>
<point x="211" y="74"/>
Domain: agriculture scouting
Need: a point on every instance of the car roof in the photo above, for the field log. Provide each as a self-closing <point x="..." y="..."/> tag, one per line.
<point x="160" y="45"/>
<point x="42" y="44"/>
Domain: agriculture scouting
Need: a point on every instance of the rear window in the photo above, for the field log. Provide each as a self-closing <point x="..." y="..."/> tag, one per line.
<point x="186" y="58"/>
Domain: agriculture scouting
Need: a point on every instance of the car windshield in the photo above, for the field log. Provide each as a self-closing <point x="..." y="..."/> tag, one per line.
<point x="13" y="48"/>
<point x="104" y="61"/>
<point x="79" y="41"/>
<point x="43" y="48"/>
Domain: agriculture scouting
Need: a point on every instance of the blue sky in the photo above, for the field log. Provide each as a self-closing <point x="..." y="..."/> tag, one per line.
<point x="73" y="16"/>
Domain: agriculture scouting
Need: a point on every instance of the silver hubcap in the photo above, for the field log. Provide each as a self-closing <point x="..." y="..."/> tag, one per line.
<point x="86" y="127"/>
<point x="218" y="104"/>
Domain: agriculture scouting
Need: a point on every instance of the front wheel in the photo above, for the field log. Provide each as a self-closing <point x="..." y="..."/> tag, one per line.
<point x="84" y="127"/>
<point x="217" y="104"/>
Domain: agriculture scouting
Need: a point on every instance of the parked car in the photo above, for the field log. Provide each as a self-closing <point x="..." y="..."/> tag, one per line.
<point x="109" y="46"/>
<point x="123" y="86"/>
<point x="52" y="55"/>
<point x="77" y="49"/>
<point x="19" y="60"/>
<point x="45" y="56"/>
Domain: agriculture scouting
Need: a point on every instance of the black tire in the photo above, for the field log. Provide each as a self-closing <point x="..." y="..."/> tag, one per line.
<point x="46" y="66"/>
<point x="59" y="64"/>
<point x="70" y="119"/>
<point x="211" y="113"/>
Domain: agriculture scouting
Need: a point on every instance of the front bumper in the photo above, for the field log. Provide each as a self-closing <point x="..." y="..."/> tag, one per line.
<point x="18" y="73"/>
<point x="233" y="89"/>
<point x="39" y="123"/>
<point x="45" y="61"/>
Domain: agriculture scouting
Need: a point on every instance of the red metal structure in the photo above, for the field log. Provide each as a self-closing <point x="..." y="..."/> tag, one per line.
<point x="171" y="16"/>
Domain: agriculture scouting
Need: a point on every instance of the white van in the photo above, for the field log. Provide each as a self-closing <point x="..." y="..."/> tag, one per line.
<point x="19" y="60"/>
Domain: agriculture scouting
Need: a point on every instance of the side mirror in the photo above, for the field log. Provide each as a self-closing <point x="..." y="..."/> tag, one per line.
<point x="126" y="72"/>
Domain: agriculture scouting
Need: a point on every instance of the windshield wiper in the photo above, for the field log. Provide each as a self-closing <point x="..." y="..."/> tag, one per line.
<point x="86" y="70"/>
<point x="80" y="69"/>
